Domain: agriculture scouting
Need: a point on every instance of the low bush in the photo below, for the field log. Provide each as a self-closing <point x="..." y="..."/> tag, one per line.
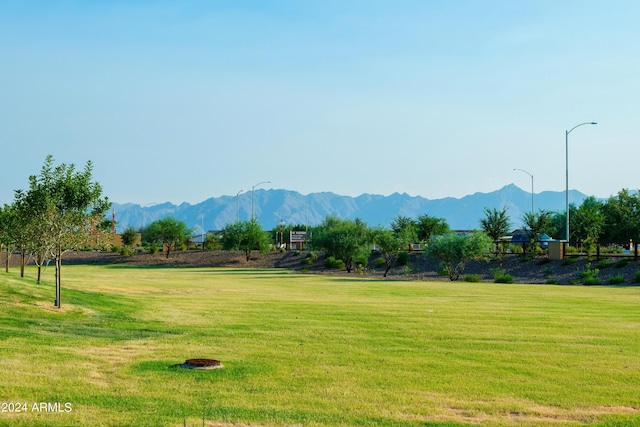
<point x="552" y="282"/>
<point x="505" y="278"/>
<point x="636" y="277"/>
<point x="403" y="258"/>
<point x="604" y="264"/>
<point x="379" y="262"/>
<point x="569" y="261"/>
<point x="499" y="276"/>
<point x="336" y="264"/>
<point x="544" y="261"/>
<point x="616" y="280"/>
<point x="591" y="281"/>
<point x="472" y="278"/>
<point x="622" y="262"/>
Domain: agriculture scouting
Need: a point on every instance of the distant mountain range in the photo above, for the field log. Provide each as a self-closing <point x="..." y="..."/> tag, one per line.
<point x="271" y="207"/>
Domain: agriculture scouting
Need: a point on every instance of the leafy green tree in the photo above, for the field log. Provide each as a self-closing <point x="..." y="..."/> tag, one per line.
<point x="427" y="226"/>
<point x="6" y="219"/>
<point x="246" y="236"/>
<point x="537" y="224"/>
<point x="66" y="210"/>
<point x="129" y="236"/>
<point x="388" y="244"/>
<point x="622" y="218"/>
<point x="454" y="251"/>
<point x="343" y="239"/>
<point x="404" y="229"/>
<point x="169" y="231"/>
<point x="495" y="224"/>
<point x="587" y="222"/>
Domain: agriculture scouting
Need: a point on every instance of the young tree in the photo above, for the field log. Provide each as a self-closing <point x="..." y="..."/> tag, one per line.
<point x="537" y="224"/>
<point x="404" y="229"/>
<point x="455" y="250"/>
<point x="388" y="244"/>
<point x="169" y="232"/>
<point x="495" y="224"/>
<point x="343" y="239"/>
<point x="427" y="226"/>
<point x="6" y="218"/>
<point x="129" y="236"/>
<point x="587" y="223"/>
<point x="622" y="218"/>
<point x="245" y="236"/>
<point x="67" y="211"/>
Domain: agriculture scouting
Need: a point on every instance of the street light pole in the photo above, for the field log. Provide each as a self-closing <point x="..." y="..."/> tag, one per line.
<point x="238" y="206"/>
<point x="531" y="175"/>
<point x="566" y="142"/>
<point x="252" y="190"/>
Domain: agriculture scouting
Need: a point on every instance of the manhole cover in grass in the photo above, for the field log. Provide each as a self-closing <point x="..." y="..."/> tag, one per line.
<point x="201" y="364"/>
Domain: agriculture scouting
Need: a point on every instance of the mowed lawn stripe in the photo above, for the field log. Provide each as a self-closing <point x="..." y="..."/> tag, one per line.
<point x="318" y="350"/>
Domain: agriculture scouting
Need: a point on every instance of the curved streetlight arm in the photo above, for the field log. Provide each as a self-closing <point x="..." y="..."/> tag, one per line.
<point x="581" y="124"/>
<point x="252" y="190"/>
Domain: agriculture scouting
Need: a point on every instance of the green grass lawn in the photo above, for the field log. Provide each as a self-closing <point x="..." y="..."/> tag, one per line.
<point x="313" y="350"/>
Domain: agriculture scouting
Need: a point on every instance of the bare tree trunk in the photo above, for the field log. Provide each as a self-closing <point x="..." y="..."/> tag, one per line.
<point x="40" y="261"/>
<point x="22" y="261"/>
<point x="58" y="273"/>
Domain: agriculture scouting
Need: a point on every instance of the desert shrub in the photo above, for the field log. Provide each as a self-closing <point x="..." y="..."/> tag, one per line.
<point x="621" y="263"/>
<point x="506" y="278"/>
<point x="588" y="272"/>
<point x="127" y="251"/>
<point x="604" y="264"/>
<point x="528" y="257"/>
<point x="306" y="261"/>
<point x="304" y="270"/>
<point x="616" y="280"/>
<point x="569" y="261"/>
<point x="379" y="262"/>
<point x="336" y="264"/>
<point x="472" y="278"/>
<point x="573" y="282"/>
<point x="361" y="261"/>
<point x="499" y="276"/>
<point x="115" y="249"/>
<point x="497" y="272"/>
<point x="154" y="248"/>
<point x="591" y="281"/>
<point x="403" y="258"/>
<point x="410" y="269"/>
<point x="551" y="281"/>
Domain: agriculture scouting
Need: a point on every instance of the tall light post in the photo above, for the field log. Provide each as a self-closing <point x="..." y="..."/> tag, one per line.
<point x="531" y="175"/>
<point x="252" y="190"/>
<point x="566" y="142"/>
<point x="238" y="206"/>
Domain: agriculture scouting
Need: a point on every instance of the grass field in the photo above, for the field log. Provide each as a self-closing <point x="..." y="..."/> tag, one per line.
<point x="313" y="350"/>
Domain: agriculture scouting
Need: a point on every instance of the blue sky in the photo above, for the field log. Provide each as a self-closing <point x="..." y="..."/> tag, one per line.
<point x="182" y="101"/>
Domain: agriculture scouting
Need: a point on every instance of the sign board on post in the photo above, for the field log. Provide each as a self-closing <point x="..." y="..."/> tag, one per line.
<point x="298" y="236"/>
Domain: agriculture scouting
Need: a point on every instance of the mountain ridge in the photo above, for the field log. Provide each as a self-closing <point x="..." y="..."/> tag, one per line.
<point x="271" y="207"/>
